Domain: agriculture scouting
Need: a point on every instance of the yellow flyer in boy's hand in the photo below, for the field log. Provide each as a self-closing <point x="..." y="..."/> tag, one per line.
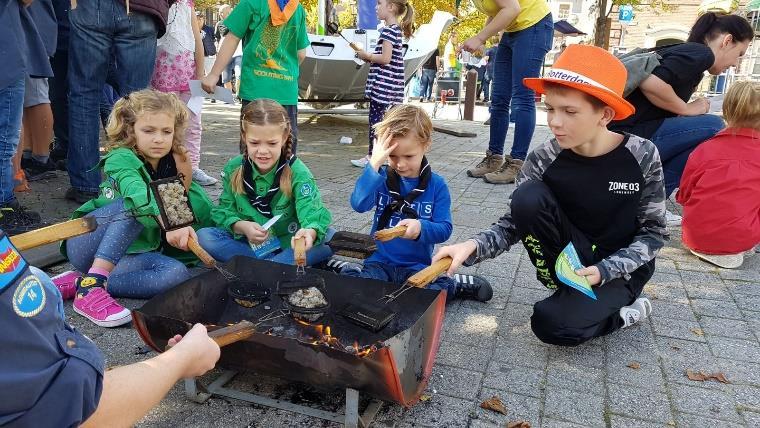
<point x="566" y="265"/>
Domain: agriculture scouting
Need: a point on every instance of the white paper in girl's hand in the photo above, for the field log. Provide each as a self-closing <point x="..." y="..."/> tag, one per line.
<point x="271" y="222"/>
<point x="195" y="105"/>
<point x="220" y="93"/>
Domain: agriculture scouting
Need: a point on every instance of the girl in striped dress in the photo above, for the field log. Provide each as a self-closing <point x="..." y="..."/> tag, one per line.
<point x="385" y="82"/>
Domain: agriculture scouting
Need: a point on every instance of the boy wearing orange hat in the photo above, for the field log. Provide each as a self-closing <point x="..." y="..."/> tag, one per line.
<point x="599" y="190"/>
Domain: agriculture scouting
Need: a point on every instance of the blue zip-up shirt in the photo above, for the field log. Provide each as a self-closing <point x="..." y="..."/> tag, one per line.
<point x="433" y="208"/>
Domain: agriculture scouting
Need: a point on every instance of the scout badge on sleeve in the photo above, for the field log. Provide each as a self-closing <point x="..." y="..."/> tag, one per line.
<point x="566" y="265"/>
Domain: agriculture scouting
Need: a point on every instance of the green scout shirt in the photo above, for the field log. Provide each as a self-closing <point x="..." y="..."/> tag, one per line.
<point x="127" y="177"/>
<point x="270" y="54"/>
<point x="303" y="210"/>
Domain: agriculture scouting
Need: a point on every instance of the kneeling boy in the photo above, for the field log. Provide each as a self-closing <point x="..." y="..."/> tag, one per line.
<point x="601" y="191"/>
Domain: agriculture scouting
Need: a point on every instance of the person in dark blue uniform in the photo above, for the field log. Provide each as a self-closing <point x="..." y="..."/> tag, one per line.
<point x="53" y="375"/>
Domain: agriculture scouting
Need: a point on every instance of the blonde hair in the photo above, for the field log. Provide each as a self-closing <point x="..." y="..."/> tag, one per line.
<point x="266" y="112"/>
<point x="407" y="120"/>
<point x="120" y="130"/>
<point x="406" y="11"/>
<point x="741" y="107"/>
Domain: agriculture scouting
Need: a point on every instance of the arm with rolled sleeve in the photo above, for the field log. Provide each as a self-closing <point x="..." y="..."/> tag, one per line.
<point x="438" y="228"/>
<point x="652" y="232"/>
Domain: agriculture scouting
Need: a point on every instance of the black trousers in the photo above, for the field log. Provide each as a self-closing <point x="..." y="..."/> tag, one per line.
<point x="568" y="317"/>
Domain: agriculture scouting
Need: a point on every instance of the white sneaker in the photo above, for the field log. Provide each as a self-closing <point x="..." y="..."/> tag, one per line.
<point x="639" y="310"/>
<point x="200" y="177"/>
<point x="672" y="219"/>
<point x="361" y="163"/>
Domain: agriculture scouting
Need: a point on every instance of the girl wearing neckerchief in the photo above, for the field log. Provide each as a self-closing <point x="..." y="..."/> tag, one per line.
<point x="407" y="193"/>
<point x="266" y="184"/>
<point x="128" y="255"/>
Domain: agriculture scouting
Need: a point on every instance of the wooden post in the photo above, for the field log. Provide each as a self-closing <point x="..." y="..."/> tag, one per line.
<point x="470" y="85"/>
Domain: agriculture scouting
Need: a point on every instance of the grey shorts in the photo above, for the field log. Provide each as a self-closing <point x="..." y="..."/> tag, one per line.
<point x="36" y="91"/>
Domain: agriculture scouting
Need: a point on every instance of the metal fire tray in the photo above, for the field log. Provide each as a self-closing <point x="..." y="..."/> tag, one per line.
<point x="392" y="364"/>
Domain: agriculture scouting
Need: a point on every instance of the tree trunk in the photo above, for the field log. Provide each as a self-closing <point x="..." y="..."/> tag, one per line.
<point x="601" y="32"/>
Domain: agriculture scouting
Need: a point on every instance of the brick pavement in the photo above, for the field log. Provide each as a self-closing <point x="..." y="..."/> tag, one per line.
<point x="704" y="319"/>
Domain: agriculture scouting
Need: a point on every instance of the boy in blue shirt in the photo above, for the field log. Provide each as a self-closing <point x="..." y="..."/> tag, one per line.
<point x="407" y="193"/>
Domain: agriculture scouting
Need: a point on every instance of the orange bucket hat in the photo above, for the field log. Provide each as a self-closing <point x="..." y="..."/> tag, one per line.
<point x="591" y="70"/>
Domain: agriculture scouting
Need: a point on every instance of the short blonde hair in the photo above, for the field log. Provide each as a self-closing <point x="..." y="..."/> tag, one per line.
<point x="120" y="130"/>
<point x="407" y="120"/>
<point x="741" y="107"/>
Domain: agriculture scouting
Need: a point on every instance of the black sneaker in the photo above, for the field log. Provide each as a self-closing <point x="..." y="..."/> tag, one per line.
<point x="36" y="170"/>
<point x="473" y="287"/>
<point x="15" y="220"/>
<point x="79" y="196"/>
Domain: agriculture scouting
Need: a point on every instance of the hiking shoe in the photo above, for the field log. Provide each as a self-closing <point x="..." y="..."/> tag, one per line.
<point x="490" y="163"/>
<point x="14" y="219"/>
<point x="200" y="177"/>
<point x="66" y="283"/>
<point x="507" y="173"/>
<point x="361" y="163"/>
<point x="473" y="287"/>
<point x="99" y="307"/>
<point x="79" y="196"/>
<point x="637" y="311"/>
<point x="672" y="219"/>
<point x="36" y="170"/>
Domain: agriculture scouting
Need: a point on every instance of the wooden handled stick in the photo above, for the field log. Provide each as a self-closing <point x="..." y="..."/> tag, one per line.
<point x="430" y="273"/>
<point x="54" y="233"/>
<point x="299" y="251"/>
<point x="204" y="256"/>
<point x="230" y="334"/>
<point x="388" y="234"/>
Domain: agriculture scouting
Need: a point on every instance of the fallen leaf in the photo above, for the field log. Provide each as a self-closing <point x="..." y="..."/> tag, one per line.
<point x="634" y="365"/>
<point x="494" y="403"/>
<point x="518" y="424"/>
<point x="701" y="376"/>
<point x="698" y="331"/>
<point x="425" y="397"/>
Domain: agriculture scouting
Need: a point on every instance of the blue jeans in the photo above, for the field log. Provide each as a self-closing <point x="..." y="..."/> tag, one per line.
<point x="426" y="83"/>
<point x="486" y="85"/>
<point x="136" y="276"/>
<point x="233" y="67"/>
<point x="399" y="275"/>
<point x="519" y="55"/>
<point x="11" y="109"/>
<point x="101" y="32"/>
<point x="223" y="246"/>
<point x="677" y="137"/>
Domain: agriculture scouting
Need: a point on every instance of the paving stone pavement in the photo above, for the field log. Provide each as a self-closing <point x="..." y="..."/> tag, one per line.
<point x="704" y="318"/>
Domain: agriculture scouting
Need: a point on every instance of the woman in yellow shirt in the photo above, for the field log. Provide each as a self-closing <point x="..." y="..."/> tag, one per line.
<point x="528" y="31"/>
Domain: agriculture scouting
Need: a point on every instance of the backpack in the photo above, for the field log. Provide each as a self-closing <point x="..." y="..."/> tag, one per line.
<point x="639" y="64"/>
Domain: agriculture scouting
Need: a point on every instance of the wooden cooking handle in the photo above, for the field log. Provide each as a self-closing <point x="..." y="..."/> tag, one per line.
<point x="230" y="334"/>
<point x="299" y="251"/>
<point x="354" y="46"/>
<point x="54" y="233"/>
<point x="430" y="273"/>
<point x="388" y="234"/>
<point x="234" y="333"/>
<point x="204" y="256"/>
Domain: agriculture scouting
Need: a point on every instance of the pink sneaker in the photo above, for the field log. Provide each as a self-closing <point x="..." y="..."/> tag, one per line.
<point x="99" y="307"/>
<point x="66" y="283"/>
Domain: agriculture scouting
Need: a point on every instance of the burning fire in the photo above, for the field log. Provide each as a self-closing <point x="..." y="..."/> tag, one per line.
<point x="323" y="337"/>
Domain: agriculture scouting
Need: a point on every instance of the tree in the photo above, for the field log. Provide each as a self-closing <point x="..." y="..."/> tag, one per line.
<point x="605" y="7"/>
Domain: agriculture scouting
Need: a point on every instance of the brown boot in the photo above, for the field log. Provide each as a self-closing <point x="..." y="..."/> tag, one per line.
<point x="490" y="163"/>
<point x="507" y="173"/>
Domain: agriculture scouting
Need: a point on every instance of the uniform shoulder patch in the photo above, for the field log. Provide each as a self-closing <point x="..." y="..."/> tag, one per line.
<point x="29" y="297"/>
<point x="306" y="189"/>
<point x="11" y="263"/>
